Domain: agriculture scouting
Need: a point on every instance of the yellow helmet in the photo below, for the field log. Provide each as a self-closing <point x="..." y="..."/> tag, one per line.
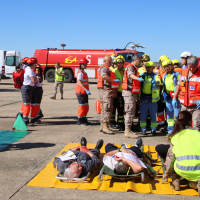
<point x="175" y="62"/>
<point x="166" y="62"/>
<point x="149" y="64"/>
<point x="145" y="57"/>
<point x="113" y="56"/>
<point x="120" y="58"/>
<point x="162" y="58"/>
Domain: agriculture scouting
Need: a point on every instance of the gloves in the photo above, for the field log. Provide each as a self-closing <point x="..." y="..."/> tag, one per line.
<point x="175" y="103"/>
<point x="84" y="149"/>
<point x="198" y="105"/>
<point x="88" y="92"/>
<point x="153" y="83"/>
<point x="118" y="80"/>
<point x="140" y="79"/>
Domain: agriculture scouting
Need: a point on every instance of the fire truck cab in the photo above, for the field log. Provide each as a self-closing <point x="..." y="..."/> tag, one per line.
<point x="68" y="59"/>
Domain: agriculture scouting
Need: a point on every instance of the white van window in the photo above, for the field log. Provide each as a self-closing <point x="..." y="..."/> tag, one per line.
<point x="17" y="61"/>
<point x="10" y="60"/>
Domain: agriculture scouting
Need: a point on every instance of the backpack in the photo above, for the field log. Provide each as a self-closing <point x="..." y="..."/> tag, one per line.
<point x="18" y="78"/>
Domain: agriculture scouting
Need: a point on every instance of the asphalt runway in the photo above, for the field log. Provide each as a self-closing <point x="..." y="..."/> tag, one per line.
<point x="24" y="159"/>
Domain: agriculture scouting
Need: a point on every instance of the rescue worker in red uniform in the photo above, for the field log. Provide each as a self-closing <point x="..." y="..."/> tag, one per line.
<point x="82" y="92"/>
<point x="28" y="87"/>
<point x="188" y="89"/>
<point x="131" y="89"/>
<point x="107" y="87"/>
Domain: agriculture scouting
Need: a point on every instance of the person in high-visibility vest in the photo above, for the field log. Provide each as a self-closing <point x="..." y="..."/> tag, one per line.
<point x="170" y="80"/>
<point x="149" y="96"/>
<point x="107" y="86"/>
<point x="145" y="58"/>
<point x="28" y="87"/>
<point x="161" y="105"/>
<point x="131" y="89"/>
<point x="188" y="90"/>
<point x="59" y="80"/>
<point x="114" y="63"/>
<point x="82" y="92"/>
<point x="119" y="100"/>
<point x="184" y="57"/>
<point x="183" y="155"/>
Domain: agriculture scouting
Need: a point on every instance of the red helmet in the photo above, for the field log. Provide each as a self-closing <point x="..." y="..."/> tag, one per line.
<point x="83" y="61"/>
<point x="32" y="60"/>
<point x="39" y="66"/>
<point x="24" y="60"/>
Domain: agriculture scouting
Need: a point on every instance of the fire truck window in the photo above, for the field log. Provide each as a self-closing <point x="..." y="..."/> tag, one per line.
<point x="10" y="60"/>
<point x="128" y="57"/>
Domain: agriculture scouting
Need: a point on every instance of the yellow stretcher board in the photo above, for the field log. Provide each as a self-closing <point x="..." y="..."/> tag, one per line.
<point x="47" y="178"/>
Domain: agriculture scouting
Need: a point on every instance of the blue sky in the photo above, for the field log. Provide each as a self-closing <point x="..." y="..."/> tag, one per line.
<point x="163" y="27"/>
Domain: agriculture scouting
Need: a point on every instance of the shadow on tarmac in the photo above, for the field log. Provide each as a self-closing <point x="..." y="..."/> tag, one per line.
<point x="9" y="90"/>
<point x="22" y="146"/>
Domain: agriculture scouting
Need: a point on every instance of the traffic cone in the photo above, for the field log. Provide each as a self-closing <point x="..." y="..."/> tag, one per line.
<point x="20" y="124"/>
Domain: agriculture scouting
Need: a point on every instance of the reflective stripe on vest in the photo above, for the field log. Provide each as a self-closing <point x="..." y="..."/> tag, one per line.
<point x="189" y="157"/>
<point x="84" y="82"/>
<point x="189" y="89"/>
<point x="187" y="168"/>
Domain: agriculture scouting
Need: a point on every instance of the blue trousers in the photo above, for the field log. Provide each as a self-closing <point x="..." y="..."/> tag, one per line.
<point x="170" y="114"/>
<point x="146" y="107"/>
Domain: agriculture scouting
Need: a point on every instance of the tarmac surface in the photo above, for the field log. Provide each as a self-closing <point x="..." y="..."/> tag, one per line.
<point x="24" y="159"/>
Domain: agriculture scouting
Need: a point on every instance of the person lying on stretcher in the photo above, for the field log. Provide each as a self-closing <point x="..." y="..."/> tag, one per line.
<point x="77" y="162"/>
<point x="125" y="160"/>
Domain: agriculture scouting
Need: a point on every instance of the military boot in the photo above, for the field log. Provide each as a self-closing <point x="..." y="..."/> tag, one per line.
<point x="53" y="97"/>
<point x="175" y="182"/>
<point x="106" y="129"/>
<point x="101" y="128"/>
<point x="129" y="133"/>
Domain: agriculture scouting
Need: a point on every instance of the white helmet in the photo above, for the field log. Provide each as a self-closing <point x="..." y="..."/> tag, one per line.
<point x="185" y="54"/>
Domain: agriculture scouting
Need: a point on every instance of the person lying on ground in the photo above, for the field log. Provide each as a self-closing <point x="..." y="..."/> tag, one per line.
<point x="124" y="160"/>
<point x="79" y="160"/>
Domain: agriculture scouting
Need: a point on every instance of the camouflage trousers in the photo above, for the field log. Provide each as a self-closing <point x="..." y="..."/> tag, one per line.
<point x="195" y="115"/>
<point x="56" y="84"/>
<point x="130" y="106"/>
<point x="107" y="106"/>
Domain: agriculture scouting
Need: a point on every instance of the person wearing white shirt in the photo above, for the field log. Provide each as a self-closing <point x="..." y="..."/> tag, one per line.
<point x="27" y="88"/>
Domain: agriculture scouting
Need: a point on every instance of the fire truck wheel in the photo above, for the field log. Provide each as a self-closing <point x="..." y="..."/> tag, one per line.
<point x="50" y="75"/>
<point x="68" y="76"/>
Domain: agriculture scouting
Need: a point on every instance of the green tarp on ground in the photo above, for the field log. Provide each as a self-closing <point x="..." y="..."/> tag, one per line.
<point x="9" y="137"/>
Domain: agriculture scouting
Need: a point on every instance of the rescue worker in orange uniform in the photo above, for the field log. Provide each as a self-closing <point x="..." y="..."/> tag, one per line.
<point x="82" y="92"/>
<point x="161" y="105"/>
<point x="131" y="89"/>
<point x="188" y="89"/>
<point x="28" y="87"/>
<point x="107" y="87"/>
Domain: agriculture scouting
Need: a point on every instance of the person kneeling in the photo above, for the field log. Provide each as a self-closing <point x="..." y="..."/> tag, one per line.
<point x="125" y="160"/>
<point x="79" y="161"/>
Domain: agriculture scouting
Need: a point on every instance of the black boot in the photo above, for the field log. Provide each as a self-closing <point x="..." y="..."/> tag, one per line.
<point x="83" y="142"/>
<point x="85" y="121"/>
<point x="113" y="125"/>
<point x="121" y="127"/>
<point x="79" y="121"/>
<point x="99" y="144"/>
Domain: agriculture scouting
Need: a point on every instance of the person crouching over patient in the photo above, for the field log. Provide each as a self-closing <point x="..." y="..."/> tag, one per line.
<point x="86" y="160"/>
<point x="124" y="161"/>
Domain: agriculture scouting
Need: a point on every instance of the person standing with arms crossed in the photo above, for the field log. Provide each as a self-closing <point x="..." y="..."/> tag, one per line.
<point x="59" y="80"/>
<point x="131" y="89"/>
<point x="107" y="87"/>
<point x="82" y="92"/>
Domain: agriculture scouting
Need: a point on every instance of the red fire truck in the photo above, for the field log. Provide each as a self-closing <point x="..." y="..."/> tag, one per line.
<point x="68" y="59"/>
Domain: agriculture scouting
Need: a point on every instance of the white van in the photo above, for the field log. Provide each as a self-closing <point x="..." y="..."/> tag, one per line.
<point x="12" y="62"/>
<point x="2" y="62"/>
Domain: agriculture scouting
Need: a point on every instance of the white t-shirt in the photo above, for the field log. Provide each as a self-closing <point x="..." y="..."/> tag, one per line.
<point x="110" y="162"/>
<point x="28" y="73"/>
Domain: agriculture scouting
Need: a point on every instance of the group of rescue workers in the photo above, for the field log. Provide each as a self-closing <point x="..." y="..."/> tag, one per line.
<point x="167" y="88"/>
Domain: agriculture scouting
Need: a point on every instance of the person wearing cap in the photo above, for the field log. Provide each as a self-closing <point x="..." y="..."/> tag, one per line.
<point x="27" y="88"/>
<point x="82" y="92"/>
<point x="188" y="90"/>
<point x="170" y="81"/>
<point x="184" y="57"/>
<point x="176" y="66"/>
<point x="149" y="96"/>
<point x="59" y="80"/>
